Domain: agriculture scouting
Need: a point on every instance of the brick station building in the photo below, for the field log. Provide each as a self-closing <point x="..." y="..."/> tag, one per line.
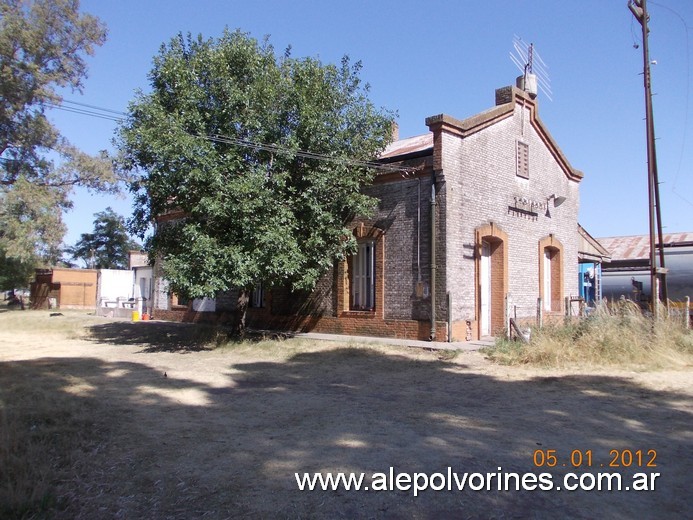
<point x="472" y="213"/>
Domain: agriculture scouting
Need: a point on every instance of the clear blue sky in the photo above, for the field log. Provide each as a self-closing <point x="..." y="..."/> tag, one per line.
<point x="425" y="58"/>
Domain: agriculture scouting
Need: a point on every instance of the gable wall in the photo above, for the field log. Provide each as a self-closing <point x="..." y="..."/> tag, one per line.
<point x="481" y="185"/>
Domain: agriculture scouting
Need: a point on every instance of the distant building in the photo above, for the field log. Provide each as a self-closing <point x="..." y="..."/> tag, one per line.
<point x="64" y="288"/>
<point x="112" y="292"/>
<point x="591" y="256"/>
<point x="137" y="259"/>
<point x="627" y="274"/>
<point x="143" y="273"/>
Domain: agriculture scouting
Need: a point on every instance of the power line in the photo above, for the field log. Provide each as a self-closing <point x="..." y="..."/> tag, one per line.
<point x="104" y="113"/>
<point x="100" y="109"/>
<point x="84" y="112"/>
<point x="303" y="154"/>
<point x="686" y="109"/>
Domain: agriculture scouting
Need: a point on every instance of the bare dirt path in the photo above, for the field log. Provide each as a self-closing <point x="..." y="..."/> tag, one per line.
<point x="185" y="432"/>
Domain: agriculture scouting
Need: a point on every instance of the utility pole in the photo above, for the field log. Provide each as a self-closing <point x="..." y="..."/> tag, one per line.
<point x="639" y="10"/>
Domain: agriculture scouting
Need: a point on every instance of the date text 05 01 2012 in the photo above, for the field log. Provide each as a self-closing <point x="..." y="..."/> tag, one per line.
<point x="623" y="458"/>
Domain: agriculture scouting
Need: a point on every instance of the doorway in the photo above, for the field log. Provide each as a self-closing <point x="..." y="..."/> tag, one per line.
<point x="491" y="279"/>
<point x="485" y="289"/>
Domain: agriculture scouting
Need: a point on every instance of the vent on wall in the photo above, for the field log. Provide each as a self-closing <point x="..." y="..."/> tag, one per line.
<point x="522" y="154"/>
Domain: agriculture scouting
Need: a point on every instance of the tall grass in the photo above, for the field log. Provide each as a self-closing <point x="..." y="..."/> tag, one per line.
<point x="614" y="335"/>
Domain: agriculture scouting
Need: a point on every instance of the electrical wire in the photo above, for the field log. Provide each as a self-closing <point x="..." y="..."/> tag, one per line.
<point x="105" y="113"/>
<point x="84" y="112"/>
<point x="300" y="153"/>
<point x="687" y="103"/>
<point x="100" y="109"/>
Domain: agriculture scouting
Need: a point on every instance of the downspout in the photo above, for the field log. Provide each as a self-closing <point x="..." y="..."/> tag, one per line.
<point x="432" y="337"/>
<point x="418" y="235"/>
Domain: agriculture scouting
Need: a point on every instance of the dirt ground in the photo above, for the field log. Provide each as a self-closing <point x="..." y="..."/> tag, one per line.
<point x="181" y="431"/>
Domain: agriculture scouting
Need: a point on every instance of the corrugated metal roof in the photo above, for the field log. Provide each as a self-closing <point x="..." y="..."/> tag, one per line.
<point x="418" y="143"/>
<point x="638" y="247"/>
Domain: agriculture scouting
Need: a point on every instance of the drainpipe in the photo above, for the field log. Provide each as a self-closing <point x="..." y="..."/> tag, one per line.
<point x="449" y="302"/>
<point x="418" y="235"/>
<point x="432" y="337"/>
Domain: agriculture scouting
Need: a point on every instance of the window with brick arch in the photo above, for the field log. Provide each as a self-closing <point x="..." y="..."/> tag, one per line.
<point x="363" y="277"/>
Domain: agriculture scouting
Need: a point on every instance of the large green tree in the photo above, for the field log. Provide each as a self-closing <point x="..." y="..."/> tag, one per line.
<point x="262" y="156"/>
<point x="43" y="49"/>
<point x="107" y="247"/>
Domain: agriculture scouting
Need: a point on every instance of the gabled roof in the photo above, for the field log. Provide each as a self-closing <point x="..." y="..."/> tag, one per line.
<point x="506" y="99"/>
<point x="638" y="247"/>
<point x="473" y="124"/>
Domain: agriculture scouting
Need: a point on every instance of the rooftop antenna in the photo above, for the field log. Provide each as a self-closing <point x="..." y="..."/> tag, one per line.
<point x="534" y="70"/>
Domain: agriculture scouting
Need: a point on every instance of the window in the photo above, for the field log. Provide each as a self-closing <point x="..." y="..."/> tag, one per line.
<point x="363" y="277"/>
<point x="257" y="297"/>
<point x="179" y="301"/>
<point x="522" y="160"/>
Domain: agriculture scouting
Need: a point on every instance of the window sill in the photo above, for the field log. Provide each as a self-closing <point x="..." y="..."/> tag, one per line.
<point x="358" y="314"/>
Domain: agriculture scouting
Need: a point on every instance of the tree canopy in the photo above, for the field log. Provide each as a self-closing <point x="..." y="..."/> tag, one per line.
<point x="43" y="50"/>
<point x="107" y="247"/>
<point x="260" y="156"/>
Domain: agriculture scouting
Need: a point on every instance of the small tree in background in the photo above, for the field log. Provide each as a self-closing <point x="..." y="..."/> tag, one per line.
<point x="14" y="273"/>
<point x="107" y="247"/>
<point x="259" y="153"/>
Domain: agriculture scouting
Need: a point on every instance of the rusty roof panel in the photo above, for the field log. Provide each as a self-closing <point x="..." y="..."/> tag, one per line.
<point x="638" y="247"/>
<point x="418" y="143"/>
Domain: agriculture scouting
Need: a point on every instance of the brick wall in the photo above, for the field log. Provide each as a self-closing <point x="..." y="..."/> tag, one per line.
<point x="404" y="215"/>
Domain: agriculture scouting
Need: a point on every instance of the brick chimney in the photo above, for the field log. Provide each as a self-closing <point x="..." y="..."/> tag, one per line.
<point x="395" y="131"/>
<point x="504" y="95"/>
<point x="508" y="94"/>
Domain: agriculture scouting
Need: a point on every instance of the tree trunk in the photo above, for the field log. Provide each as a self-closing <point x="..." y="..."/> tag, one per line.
<point x="241" y="310"/>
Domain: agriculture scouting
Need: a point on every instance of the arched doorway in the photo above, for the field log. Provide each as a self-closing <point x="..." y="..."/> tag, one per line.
<point x="492" y="279"/>
<point x="551" y="274"/>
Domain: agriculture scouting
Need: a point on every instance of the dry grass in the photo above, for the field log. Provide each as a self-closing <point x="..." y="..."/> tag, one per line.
<point x="614" y="335"/>
<point x="42" y="322"/>
<point x="36" y="432"/>
<point x="91" y="427"/>
<point x="43" y="439"/>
